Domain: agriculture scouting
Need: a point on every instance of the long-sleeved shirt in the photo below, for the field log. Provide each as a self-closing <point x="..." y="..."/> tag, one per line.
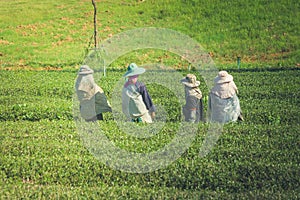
<point x="225" y="90"/>
<point x="136" y="100"/>
<point x="146" y="96"/>
<point x="91" y="97"/>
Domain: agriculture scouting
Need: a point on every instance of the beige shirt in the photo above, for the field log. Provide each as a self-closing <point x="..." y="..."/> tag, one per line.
<point x="88" y="87"/>
<point x="132" y="102"/>
<point x="225" y="90"/>
<point x="91" y="97"/>
<point x="196" y="92"/>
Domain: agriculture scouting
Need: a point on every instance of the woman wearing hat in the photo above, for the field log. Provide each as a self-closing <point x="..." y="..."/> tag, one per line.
<point x="224" y="104"/>
<point x="137" y="104"/>
<point x="193" y="109"/>
<point x="92" y="99"/>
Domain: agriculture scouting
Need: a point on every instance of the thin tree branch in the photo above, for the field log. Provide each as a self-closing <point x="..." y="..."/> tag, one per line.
<point x="95" y="24"/>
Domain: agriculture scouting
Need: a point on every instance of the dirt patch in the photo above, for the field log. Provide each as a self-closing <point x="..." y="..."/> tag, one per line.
<point x="47" y="68"/>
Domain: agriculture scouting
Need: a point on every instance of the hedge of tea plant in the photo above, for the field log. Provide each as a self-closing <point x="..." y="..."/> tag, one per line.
<point x="268" y="97"/>
<point x="43" y="156"/>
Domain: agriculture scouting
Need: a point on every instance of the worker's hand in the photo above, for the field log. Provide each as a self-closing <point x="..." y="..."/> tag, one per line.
<point x="152" y="114"/>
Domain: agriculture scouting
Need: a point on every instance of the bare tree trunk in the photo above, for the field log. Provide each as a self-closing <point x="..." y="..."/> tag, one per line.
<point x="95" y="24"/>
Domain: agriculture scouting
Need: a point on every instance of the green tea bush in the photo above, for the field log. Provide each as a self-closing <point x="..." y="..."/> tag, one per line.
<point x="248" y="159"/>
<point x="43" y="156"/>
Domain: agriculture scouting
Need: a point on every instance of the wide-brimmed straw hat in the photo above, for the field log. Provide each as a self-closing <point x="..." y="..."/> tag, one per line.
<point x="84" y="69"/>
<point x="190" y="81"/>
<point x="133" y="69"/>
<point x="223" y="77"/>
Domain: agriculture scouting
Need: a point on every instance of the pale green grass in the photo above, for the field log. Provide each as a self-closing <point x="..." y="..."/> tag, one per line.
<point x="57" y="33"/>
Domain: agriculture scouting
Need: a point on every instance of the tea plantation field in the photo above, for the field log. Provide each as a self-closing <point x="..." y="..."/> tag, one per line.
<point x="42" y="154"/>
<point x="43" y="157"/>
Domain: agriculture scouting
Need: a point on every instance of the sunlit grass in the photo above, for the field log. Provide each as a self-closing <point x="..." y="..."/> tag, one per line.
<point x="61" y="31"/>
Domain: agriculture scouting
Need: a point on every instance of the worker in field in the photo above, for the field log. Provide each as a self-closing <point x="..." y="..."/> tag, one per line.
<point x="92" y="99"/>
<point x="137" y="104"/>
<point x="193" y="108"/>
<point x="224" y="104"/>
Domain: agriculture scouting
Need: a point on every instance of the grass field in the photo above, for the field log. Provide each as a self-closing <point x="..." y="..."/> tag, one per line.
<point x="57" y="33"/>
<point x="42" y="155"/>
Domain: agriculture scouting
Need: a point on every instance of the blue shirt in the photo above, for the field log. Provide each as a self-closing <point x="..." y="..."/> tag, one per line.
<point x="146" y="96"/>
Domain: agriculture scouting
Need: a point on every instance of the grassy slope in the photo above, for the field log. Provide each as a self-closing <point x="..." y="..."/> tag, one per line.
<point x="56" y="33"/>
